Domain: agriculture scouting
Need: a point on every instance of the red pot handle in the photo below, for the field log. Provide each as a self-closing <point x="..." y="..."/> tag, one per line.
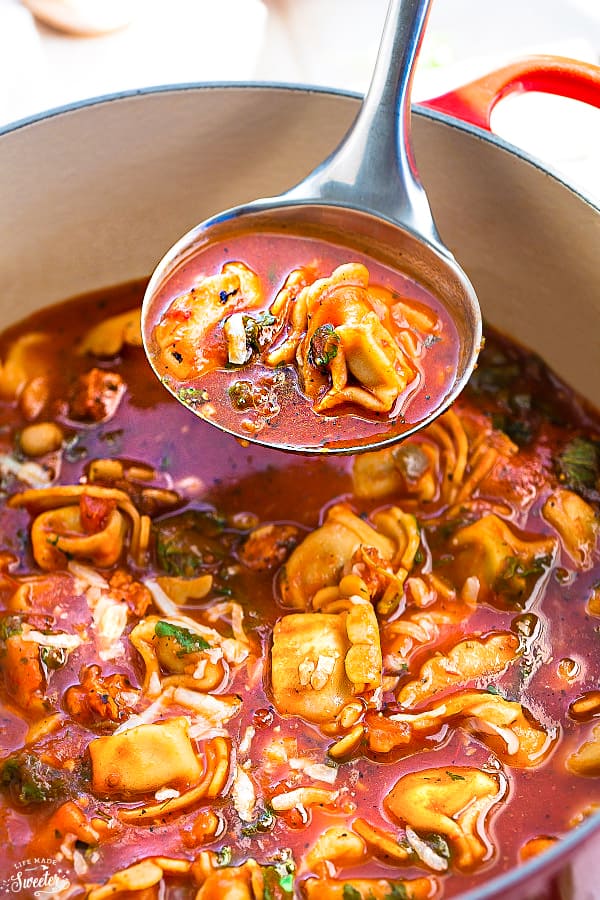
<point x="550" y="74"/>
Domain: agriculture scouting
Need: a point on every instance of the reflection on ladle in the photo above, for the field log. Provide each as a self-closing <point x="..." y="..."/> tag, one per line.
<point x="334" y="305"/>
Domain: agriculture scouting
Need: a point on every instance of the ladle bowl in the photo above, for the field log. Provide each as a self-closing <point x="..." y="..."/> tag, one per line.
<point x="367" y="197"/>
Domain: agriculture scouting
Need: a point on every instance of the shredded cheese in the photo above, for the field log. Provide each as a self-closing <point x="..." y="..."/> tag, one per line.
<point x="243" y="795"/>
<point x="60" y="641"/>
<point x="235" y="332"/>
<point x="425" y="852"/>
<point x="30" y="473"/>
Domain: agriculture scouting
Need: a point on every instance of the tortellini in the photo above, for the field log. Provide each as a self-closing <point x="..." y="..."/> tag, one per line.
<point x="450" y="460"/>
<point x="328" y="553"/>
<point x="585" y="761"/>
<point x="29" y="357"/>
<point x="505" y="725"/>
<point x="350" y="342"/>
<point x="144" y="759"/>
<point x="508" y="566"/>
<point x="189" y="654"/>
<point x="349" y="353"/>
<point x="320" y="661"/>
<point x="110" y="335"/>
<point x="469" y="659"/>
<point x="576" y="523"/>
<point x="139" y="879"/>
<point x="82" y="522"/>
<point x="453" y="802"/>
<point x="183" y="331"/>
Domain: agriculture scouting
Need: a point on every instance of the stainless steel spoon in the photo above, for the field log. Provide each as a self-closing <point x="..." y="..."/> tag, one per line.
<point x="366" y="195"/>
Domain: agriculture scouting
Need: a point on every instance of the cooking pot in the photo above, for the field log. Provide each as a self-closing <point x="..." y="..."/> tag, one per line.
<point x="93" y="194"/>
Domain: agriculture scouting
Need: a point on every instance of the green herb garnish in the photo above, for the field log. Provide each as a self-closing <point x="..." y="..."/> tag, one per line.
<point x="10" y="625"/>
<point x="439" y="845"/>
<point x="350" y="893"/>
<point x="579" y="463"/>
<point x="187" y="640"/>
<point x="186" y="542"/>
<point x="263" y="822"/>
<point x="398" y="892"/>
<point x="53" y="657"/>
<point x="192" y="395"/>
<point x="323" y="346"/>
<point x="259" y="330"/>
<point x="223" y="856"/>
<point x="515" y="567"/>
<point x="30" y="780"/>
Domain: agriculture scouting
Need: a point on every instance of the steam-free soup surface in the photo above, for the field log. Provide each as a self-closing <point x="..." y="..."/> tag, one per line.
<point x="300" y="342"/>
<point x="368" y="677"/>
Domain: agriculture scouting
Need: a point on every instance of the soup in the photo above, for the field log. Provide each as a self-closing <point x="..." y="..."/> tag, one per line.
<point x="301" y="341"/>
<point x="226" y="671"/>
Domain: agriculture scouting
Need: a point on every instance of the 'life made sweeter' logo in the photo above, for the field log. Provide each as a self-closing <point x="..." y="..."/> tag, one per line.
<point x="35" y="878"/>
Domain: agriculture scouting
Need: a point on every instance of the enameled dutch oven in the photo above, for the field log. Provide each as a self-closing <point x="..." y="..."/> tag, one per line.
<point x="93" y="194"/>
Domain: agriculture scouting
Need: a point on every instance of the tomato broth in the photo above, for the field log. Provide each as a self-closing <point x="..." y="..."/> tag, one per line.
<point x="269" y="394"/>
<point x="457" y="572"/>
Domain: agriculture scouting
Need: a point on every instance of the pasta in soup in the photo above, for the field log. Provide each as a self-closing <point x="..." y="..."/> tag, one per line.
<point x="301" y="341"/>
<point x="228" y="672"/>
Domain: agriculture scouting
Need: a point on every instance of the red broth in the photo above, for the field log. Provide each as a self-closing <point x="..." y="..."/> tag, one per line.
<point x="527" y="438"/>
<point x="283" y="415"/>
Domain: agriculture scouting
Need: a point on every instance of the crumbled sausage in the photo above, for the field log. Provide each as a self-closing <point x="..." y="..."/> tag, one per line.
<point x="96" y="396"/>
<point x="269" y="546"/>
<point x="98" y="701"/>
<point x="124" y="588"/>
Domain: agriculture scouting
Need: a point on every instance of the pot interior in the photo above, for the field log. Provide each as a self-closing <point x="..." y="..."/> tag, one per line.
<point x="94" y="195"/>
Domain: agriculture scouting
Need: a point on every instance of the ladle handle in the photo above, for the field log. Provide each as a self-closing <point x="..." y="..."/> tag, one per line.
<point x="373" y="167"/>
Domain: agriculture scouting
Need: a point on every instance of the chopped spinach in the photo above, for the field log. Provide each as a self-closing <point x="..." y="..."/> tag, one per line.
<point x="454" y="777"/>
<point x="323" y="346"/>
<point x="10" y="625"/>
<point x="398" y="892"/>
<point x="264" y="821"/>
<point x="492" y="689"/>
<point x="224" y="856"/>
<point x="495" y="372"/>
<point x="29" y="780"/>
<point x="520" y="431"/>
<point x="192" y="395"/>
<point x="187" y="640"/>
<point x="350" y="893"/>
<point x="188" y="543"/>
<point x="579" y="463"/>
<point x="259" y="330"/>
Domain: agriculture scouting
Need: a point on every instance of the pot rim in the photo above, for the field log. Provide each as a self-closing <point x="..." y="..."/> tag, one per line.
<point x="175" y="87"/>
<point x="579" y="834"/>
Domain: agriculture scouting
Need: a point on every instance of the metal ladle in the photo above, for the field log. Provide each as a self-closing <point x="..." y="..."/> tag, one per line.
<point x="366" y="194"/>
